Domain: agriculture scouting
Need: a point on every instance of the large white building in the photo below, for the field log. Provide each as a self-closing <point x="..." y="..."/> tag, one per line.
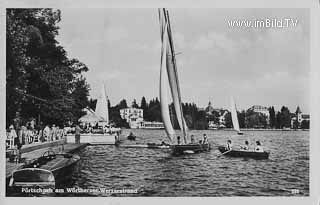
<point x="134" y="116"/>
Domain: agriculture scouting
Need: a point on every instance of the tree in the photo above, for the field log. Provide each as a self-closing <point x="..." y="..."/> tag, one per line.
<point x="272" y="115"/>
<point x="41" y="79"/>
<point x="134" y="104"/>
<point x="92" y="104"/>
<point x="228" y="120"/>
<point x="284" y="117"/>
<point x="241" y="119"/>
<point x="143" y="104"/>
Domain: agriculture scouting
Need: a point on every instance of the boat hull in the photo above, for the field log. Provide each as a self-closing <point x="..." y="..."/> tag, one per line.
<point x="45" y="172"/>
<point x="244" y="154"/>
<point x="149" y="146"/>
<point x="190" y="148"/>
<point x="130" y="137"/>
<point x="95" y="139"/>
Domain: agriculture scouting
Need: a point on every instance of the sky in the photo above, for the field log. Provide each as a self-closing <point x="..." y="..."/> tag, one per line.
<point x="257" y="66"/>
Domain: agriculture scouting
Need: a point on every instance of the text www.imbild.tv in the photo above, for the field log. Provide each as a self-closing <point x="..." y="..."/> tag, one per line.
<point x="263" y="23"/>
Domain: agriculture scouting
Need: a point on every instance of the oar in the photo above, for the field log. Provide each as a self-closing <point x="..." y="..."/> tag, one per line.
<point x="224" y="153"/>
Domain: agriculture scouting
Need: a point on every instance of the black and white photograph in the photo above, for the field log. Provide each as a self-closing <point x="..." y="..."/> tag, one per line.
<point x="157" y="102"/>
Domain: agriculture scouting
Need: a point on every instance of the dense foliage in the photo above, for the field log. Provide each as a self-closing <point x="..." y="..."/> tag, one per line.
<point x="42" y="82"/>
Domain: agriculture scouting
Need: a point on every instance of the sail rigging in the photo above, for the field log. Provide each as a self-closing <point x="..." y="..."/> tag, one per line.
<point x="163" y="90"/>
<point x="102" y="109"/>
<point x="234" y="115"/>
<point x="171" y="67"/>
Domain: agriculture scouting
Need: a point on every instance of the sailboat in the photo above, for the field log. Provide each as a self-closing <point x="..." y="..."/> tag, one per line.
<point x="234" y="117"/>
<point x="169" y="79"/>
<point x="107" y="136"/>
<point x="102" y="109"/>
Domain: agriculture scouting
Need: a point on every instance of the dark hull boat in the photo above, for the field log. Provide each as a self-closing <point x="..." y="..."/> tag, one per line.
<point x="48" y="171"/>
<point x="190" y="148"/>
<point x="131" y="137"/>
<point x="245" y="154"/>
<point x="158" y="146"/>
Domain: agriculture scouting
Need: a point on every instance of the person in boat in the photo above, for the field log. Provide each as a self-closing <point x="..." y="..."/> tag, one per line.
<point x="258" y="147"/>
<point x="246" y="146"/>
<point x="205" y="139"/>
<point x="178" y="140"/>
<point x="229" y="145"/>
<point x="192" y="139"/>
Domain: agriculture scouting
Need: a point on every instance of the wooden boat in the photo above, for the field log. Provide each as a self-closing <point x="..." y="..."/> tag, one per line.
<point x="148" y="145"/>
<point x="243" y="153"/>
<point x="48" y="171"/>
<point x="169" y="77"/>
<point x="190" y="148"/>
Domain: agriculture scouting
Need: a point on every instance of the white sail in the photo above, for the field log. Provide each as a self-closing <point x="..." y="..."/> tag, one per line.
<point x="168" y="60"/>
<point x="175" y="92"/>
<point x="164" y="105"/>
<point x="234" y="116"/>
<point x="102" y="109"/>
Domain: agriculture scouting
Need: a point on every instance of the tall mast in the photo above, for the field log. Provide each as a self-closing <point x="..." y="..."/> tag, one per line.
<point x="166" y="15"/>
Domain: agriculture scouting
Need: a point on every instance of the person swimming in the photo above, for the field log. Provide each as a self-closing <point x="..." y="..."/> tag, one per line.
<point x="258" y="147"/>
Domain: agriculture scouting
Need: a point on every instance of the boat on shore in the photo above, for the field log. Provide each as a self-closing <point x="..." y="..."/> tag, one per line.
<point x="48" y="171"/>
<point x="169" y="77"/>
<point x="243" y="153"/>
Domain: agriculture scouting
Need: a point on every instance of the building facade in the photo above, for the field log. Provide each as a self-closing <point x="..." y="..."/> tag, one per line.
<point x="133" y="116"/>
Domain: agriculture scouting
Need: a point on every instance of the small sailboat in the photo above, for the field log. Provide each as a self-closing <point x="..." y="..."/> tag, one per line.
<point x="169" y="77"/>
<point x="105" y="134"/>
<point x="234" y="117"/>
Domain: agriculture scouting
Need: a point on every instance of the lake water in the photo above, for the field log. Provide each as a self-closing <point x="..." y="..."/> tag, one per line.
<point x="154" y="172"/>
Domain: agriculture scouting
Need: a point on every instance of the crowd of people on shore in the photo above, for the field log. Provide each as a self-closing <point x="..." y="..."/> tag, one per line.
<point x="17" y="136"/>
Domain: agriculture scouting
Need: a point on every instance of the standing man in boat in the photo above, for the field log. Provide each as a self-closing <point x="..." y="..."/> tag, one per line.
<point x="205" y="139"/>
<point x="178" y="140"/>
<point x="192" y="139"/>
<point x="229" y="145"/>
<point x="77" y="134"/>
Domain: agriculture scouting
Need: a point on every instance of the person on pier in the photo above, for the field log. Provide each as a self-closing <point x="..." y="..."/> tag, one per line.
<point x="77" y="134"/>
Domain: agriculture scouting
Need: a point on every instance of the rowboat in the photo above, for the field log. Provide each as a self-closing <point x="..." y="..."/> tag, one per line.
<point x="243" y="153"/>
<point x="48" y="171"/>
